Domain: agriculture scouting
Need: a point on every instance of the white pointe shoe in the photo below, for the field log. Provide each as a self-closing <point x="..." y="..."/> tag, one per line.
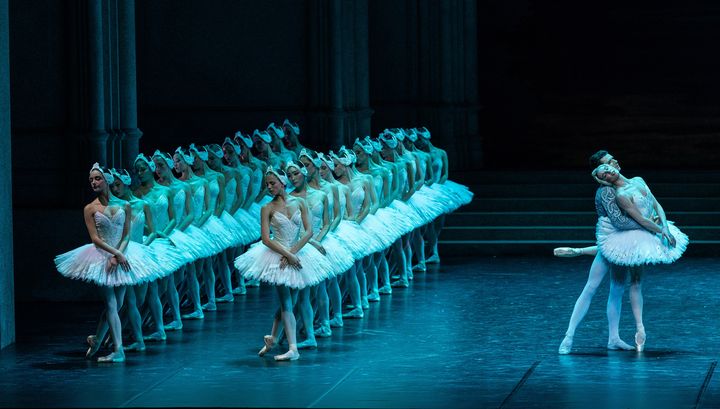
<point x="288" y="356"/>
<point x="566" y="345"/>
<point x="269" y="344"/>
<point x="618" y="343"/>
<point x="118" y="356"/>
<point x="640" y="338"/>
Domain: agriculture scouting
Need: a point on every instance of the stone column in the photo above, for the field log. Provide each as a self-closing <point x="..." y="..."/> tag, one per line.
<point x="7" y="287"/>
<point x="362" y="70"/>
<point x="97" y="133"/>
<point x="336" y="114"/>
<point x="128" y="82"/>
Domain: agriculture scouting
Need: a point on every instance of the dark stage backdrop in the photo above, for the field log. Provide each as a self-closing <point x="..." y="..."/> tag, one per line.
<point x="505" y="84"/>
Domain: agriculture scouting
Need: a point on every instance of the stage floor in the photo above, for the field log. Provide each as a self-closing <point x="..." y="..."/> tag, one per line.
<point x="470" y="333"/>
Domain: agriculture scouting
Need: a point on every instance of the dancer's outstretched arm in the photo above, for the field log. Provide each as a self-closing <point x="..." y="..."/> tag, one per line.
<point x="575" y="251"/>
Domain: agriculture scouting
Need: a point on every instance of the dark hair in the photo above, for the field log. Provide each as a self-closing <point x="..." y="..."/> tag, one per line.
<point x="596" y="157"/>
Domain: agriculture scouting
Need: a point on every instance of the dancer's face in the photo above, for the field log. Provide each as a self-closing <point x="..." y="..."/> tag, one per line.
<point x="214" y="162"/>
<point x="296" y="177"/>
<point x="607" y="173"/>
<point x="273" y="184"/>
<point x="309" y="165"/>
<point x="117" y="187"/>
<point x="386" y="152"/>
<point x="197" y="164"/>
<point x="339" y="167"/>
<point x="610" y="160"/>
<point x="179" y="163"/>
<point x="324" y="170"/>
<point x="97" y="181"/>
<point x="360" y="153"/>
<point x="161" y="167"/>
<point x="228" y="152"/>
<point x="143" y="171"/>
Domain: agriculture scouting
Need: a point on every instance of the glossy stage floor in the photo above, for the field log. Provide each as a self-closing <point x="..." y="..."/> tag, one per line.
<point x="471" y="333"/>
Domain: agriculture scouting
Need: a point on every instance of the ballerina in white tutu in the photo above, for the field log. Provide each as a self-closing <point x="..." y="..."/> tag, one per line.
<point x="284" y="261"/>
<point x="104" y="262"/>
<point x="661" y="243"/>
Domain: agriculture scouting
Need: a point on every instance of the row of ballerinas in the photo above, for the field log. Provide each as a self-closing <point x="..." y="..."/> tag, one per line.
<point x="331" y="227"/>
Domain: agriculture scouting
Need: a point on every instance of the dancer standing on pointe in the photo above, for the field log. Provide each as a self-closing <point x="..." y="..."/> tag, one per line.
<point x="284" y="261"/>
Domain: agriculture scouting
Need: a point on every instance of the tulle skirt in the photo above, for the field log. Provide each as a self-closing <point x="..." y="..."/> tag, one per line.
<point x="638" y="247"/>
<point x="207" y="245"/>
<point x="382" y="233"/>
<point x="250" y="223"/>
<point x="218" y="234"/>
<point x="356" y="240"/>
<point x="89" y="263"/>
<point x="412" y="219"/>
<point x="237" y="233"/>
<point x="191" y="248"/>
<point x="339" y="256"/>
<point x="396" y="225"/>
<point x="169" y="255"/>
<point x="426" y="205"/>
<point x="261" y="263"/>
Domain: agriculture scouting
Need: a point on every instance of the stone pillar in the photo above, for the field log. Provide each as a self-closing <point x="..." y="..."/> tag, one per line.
<point x="128" y="82"/>
<point x="362" y="70"/>
<point x="97" y="133"/>
<point x="7" y="287"/>
<point x="336" y="114"/>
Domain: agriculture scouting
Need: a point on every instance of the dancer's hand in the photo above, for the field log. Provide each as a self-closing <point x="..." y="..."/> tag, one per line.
<point x="122" y="261"/>
<point x="567" y="252"/>
<point x="294" y="261"/>
<point x="669" y="237"/>
<point x="318" y="246"/>
<point x="283" y="262"/>
<point x="112" y="264"/>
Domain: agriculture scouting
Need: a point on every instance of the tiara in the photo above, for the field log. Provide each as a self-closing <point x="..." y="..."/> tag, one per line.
<point x="124" y="176"/>
<point x="375" y="144"/>
<point x="215" y="149"/>
<point x="150" y="164"/>
<point x="283" y="178"/>
<point x="330" y="164"/>
<point x="278" y="131"/>
<point x="168" y="160"/>
<point x="107" y="175"/>
<point x="365" y="147"/>
<point x="201" y="154"/>
<point x="263" y="135"/>
<point x="295" y="128"/>
<point x="304" y="152"/>
<point x="423" y="132"/>
<point x="187" y="158"/>
<point x="294" y="164"/>
<point x="389" y="139"/>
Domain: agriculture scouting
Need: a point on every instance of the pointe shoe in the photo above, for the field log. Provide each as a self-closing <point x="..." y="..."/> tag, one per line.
<point x="307" y="344"/>
<point x="239" y="291"/>
<point x="252" y="283"/>
<point x="374" y="296"/>
<point x="195" y="315"/>
<point x="288" y="356"/>
<point x="434" y="259"/>
<point x="420" y="267"/>
<point x="565" y="345"/>
<point x="386" y="289"/>
<point x="401" y="283"/>
<point x="364" y="303"/>
<point x="118" y="356"/>
<point x="135" y="347"/>
<point x="155" y="337"/>
<point x="336" y="321"/>
<point x="94" y="346"/>
<point x="640" y="338"/>
<point x="617" y="344"/>
<point x="566" y="252"/>
<point x="354" y="313"/>
<point x="269" y="344"/>
<point x="208" y="307"/>
<point x="324" y="331"/>
<point x="410" y="275"/>
<point x="173" y="326"/>
<point x="225" y="298"/>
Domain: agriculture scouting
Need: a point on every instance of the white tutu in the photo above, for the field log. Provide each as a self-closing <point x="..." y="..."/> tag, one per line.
<point x="189" y="246"/>
<point x="340" y="257"/>
<point x="169" y="255"/>
<point x="383" y="235"/>
<point x="425" y="204"/>
<point x="359" y="242"/>
<point x="89" y="263"/>
<point x="410" y="217"/>
<point x="638" y="247"/>
<point x="206" y="245"/>
<point x="237" y="234"/>
<point x="250" y="223"/>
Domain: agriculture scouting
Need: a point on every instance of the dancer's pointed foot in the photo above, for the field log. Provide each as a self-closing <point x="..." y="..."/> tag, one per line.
<point x="616" y="344"/>
<point x="374" y="296"/>
<point x="195" y="315"/>
<point x="409" y="275"/>
<point x="117" y="356"/>
<point x="401" y="283"/>
<point x="307" y="344"/>
<point x="225" y="298"/>
<point x="173" y="326"/>
<point x="252" y="283"/>
<point x="324" y="331"/>
<point x="211" y="306"/>
<point x="566" y="252"/>
<point x="269" y="344"/>
<point x="94" y="346"/>
<point x="290" y="355"/>
<point x="566" y="345"/>
<point x="354" y="313"/>
<point x="386" y="289"/>
<point x="336" y="321"/>
<point x="155" y="337"/>
<point x="420" y="267"/>
<point x="239" y="290"/>
<point x="364" y="303"/>
<point x="640" y="338"/>
<point x="135" y="347"/>
<point x="434" y="259"/>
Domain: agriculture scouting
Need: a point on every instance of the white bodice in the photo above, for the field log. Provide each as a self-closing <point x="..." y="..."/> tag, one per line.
<point x="159" y="210"/>
<point x="110" y="228"/>
<point x="137" y="224"/>
<point x="214" y="193"/>
<point x="230" y="193"/>
<point x="285" y="231"/>
<point x="198" y="202"/>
